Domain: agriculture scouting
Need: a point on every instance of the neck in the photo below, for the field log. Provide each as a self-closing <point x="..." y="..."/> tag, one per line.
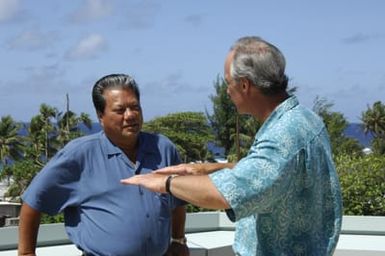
<point x="131" y="151"/>
<point x="267" y="104"/>
<point x="129" y="146"/>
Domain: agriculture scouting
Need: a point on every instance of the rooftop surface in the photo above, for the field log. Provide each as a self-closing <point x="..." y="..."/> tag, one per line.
<point x="212" y="234"/>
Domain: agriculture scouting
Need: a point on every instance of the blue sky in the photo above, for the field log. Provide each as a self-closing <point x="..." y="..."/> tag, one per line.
<point x="175" y="50"/>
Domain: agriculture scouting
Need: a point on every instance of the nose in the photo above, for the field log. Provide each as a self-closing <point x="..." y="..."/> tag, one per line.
<point x="129" y="113"/>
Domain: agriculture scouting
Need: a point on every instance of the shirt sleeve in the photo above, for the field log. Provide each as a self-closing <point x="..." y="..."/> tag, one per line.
<point x="257" y="182"/>
<point x="55" y="186"/>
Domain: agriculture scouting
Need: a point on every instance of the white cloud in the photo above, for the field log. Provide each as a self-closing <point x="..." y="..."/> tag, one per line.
<point x="194" y="19"/>
<point x="92" y="10"/>
<point x="360" y="38"/>
<point x="45" y="73"/>
<point x="140" y="15"/>
<point x="174" y="82"/>
<point x="88" y="48"/>
<point x="9" y="9"/>
<point x="32" y="40"/>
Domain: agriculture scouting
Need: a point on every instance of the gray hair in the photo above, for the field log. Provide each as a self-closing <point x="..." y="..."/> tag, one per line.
<point x="261" y="63"/>
<point x="120" y="81"/>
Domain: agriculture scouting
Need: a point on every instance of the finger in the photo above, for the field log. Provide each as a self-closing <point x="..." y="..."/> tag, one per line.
<point x="165" y="170"/>
<point x="171" y="170"/>
<point x="130" y="181"/>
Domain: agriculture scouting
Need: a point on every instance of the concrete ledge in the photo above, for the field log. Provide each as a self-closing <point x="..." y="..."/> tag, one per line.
<point x="360" y="245"/>
<point x="211" y="233"/>
<point x="363" y="225"/>
<point x="208" y="221"/>
<point x="49" y="235"/>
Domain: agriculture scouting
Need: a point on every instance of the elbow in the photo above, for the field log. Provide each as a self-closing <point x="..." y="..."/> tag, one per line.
<point x="220" y="202"/>
<point x="225" y="204"/>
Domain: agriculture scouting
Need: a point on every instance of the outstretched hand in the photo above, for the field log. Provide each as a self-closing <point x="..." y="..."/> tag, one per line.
<point x="183" y="169"/>
<point x="194" y="169"/>
<point x="152" y="181"/>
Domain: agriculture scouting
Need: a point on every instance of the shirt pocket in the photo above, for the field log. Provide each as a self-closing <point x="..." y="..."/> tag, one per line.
<point x="163" y="205"/>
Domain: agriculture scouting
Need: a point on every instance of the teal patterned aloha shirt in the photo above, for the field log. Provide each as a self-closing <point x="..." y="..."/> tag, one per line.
<point x="285" y="195"/>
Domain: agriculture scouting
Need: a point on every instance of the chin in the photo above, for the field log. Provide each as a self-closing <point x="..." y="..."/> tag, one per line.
<point x="130" y="134"/>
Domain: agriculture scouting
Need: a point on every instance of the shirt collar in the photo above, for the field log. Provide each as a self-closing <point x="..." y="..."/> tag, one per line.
<point x="109" y="148"/>
<point x="144" y="145"/>
<point x="280" y="110"/>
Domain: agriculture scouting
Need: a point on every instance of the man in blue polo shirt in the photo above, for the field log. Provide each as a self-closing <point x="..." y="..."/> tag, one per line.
<point x="103" y="217"/>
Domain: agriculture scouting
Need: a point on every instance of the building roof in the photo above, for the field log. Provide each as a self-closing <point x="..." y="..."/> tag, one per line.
<point x="211" y="233"/>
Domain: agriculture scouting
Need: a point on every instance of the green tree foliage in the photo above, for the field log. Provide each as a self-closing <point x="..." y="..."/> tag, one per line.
<point x="47" y="219"/>
<point x="336" y="124"/>
<point x="68" y="126"/>
<point x="22" y="173"/>
<point x="41" y="133"/>
<point x="223" y="119"/>
<point x="10" y="141"/>
<point x="378" y="146"/>
<point x="47" y="133"/>
<point x="50" y="130"/>
<point x="363" y="184"/>
<point x="374" y="122"/>
<point x="247" y="128"/>
<point x="189" y="131"/>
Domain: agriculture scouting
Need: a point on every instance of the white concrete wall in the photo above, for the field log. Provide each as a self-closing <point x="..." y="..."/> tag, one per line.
<point x="211" y="234"/>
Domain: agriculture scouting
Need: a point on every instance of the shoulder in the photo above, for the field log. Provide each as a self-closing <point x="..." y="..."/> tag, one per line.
<point x="85" y="141"/>
<point x="292" y="131"/>
<point x="301" y="122"/>
<point x="159" y="145"/>
<point x="156" y="139"/>
<point x="82" y="144"/>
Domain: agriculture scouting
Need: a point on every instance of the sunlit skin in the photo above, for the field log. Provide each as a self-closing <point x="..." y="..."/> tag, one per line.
<point x="122" y="119"/>
<point x="233" y="88"/>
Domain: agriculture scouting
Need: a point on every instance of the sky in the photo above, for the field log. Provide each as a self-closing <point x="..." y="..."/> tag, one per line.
<point x="175" y="50"/>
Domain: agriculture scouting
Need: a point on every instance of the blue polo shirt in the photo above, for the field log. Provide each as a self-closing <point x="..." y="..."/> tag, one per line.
<point x="285" y="194"/>
<point x="102" y="216"/>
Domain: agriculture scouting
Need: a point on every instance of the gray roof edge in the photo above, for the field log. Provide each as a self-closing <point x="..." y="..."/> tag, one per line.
<point x="54" y="234"/>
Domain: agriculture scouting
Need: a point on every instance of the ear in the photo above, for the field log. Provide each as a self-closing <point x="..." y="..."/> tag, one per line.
<point x="245" y="84"/>
<point x="100" y="115"/>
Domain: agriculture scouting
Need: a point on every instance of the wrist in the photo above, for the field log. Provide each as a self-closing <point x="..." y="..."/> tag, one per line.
<point x="168" y="184"/>
<point x="182" y="240"/>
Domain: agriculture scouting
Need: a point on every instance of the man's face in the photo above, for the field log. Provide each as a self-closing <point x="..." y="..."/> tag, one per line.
<point x="122" y="118"/>
<point x="233" y="88"/>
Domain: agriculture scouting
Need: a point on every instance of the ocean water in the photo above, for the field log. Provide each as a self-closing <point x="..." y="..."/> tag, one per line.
<point x="356" y="131"/>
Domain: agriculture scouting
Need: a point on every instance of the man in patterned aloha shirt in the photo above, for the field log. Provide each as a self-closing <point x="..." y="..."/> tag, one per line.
<point x="284" y="195"/>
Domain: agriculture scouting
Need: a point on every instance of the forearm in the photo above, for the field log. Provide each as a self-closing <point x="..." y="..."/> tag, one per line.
<point x="213" y="167"/>
<point x="198" y="190"/>
<point x="28" y="230"/>
<point x="178" y="222"/>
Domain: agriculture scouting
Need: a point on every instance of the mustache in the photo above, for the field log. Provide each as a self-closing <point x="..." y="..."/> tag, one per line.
<point x="131" y="124"/>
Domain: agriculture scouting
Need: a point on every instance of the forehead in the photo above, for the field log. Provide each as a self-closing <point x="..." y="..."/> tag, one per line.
<point x="120" y="95"/>
<point x="228" y="61"/>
